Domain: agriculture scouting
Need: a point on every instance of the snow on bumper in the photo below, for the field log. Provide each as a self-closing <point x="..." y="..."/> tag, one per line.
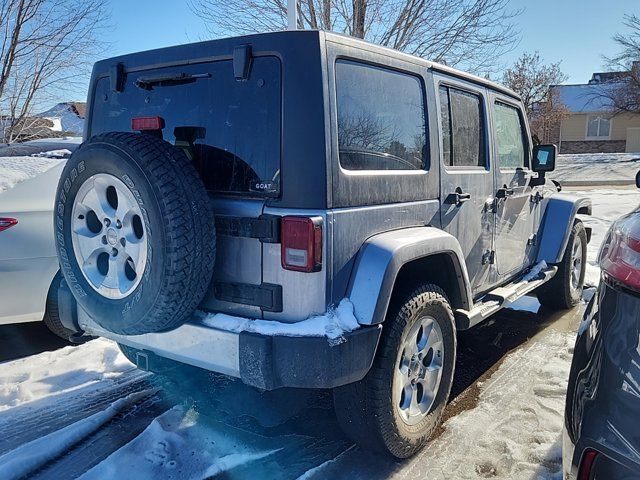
<point x="324" y="351"/>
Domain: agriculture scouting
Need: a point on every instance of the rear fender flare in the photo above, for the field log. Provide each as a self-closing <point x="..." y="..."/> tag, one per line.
<point x="382" y="256"/>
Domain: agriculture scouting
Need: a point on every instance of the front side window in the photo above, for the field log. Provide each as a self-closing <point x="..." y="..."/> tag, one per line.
<point x="598" y="126"/>
<point x="509" y="136"/>
<point x="381" y="118"/>
<point x="462" y="123"/>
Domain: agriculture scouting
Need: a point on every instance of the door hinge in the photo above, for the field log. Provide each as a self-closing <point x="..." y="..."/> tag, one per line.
<point x="265" y="228"/>
<point x="533" y="239"/>
<point x="267" y="296"/>
<point x="489" y="257"/>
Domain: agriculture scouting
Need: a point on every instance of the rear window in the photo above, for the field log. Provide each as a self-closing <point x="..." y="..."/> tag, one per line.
<point x="381" y="118"/>
<point x="230" y="128"/>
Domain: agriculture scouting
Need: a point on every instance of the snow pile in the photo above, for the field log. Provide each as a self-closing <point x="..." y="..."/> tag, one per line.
<point x="178" y="444"/>
<point x="14" y="170"/>
<point x="332" y="324"/>
<point x="61" y="153"/>
<point x="593" y="168"/>
<point x="64" y="370"/>
<point x="29" y="457"/>
<point x="608" y="205"/>
<point x="535" y="271"/>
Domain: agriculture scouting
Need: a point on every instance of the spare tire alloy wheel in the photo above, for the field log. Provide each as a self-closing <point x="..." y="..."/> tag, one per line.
<point x="135" y="233"/>
<point x="108" y="236"/>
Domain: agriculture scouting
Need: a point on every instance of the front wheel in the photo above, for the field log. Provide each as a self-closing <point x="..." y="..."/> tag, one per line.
<point x="564" y="290"/>
<point x="397" y="407"/>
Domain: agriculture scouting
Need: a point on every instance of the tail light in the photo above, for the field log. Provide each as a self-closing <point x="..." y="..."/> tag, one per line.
<point x="147" y="123"/>
<point x="301" y="239"/>
<point x="7" y="223"/>
<point x="586" y="464"/>
<point x="620" y="252"/>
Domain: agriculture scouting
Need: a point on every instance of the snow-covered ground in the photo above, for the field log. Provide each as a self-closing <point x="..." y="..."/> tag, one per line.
<point x="35" y="157"/>
<point x="14" y="170"/>
<point x="596" y="168"/>
<point x="52" y="374"/>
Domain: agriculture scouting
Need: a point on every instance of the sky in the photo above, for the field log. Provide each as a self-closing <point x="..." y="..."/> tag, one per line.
<point x="575" y="32"/>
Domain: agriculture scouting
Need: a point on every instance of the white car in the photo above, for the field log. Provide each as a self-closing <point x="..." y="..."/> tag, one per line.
<point x="29" y="271"/>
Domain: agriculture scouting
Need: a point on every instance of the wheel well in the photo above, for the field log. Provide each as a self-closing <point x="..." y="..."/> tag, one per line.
<point x="585" y="210"/>
<point x="438" y="269"/>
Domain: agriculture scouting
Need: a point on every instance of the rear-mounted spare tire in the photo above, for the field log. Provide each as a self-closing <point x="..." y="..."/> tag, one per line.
<point x="135" y="232"/>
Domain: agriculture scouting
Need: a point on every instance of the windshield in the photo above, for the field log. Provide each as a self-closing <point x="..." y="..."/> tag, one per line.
<point x="230" y="128"/>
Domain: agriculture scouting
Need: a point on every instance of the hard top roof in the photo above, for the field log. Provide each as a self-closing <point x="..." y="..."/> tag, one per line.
<point x="330" y="37"/>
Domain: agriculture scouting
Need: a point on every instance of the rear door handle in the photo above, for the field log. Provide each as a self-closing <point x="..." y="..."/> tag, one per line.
<point x="459" y="197"/>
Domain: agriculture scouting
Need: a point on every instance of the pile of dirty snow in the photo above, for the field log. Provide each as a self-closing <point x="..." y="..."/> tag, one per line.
<point x="14" y="170"/>
<point x="64" y="370"/>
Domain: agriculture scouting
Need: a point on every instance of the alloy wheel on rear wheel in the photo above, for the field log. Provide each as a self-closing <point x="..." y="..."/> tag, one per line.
<point x="108" y="236"/>
<point x="576" y="263"/>
<point x="419" y="370"/>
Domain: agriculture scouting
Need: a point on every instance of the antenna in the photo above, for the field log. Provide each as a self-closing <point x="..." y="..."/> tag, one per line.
<point x="292" y="14"/>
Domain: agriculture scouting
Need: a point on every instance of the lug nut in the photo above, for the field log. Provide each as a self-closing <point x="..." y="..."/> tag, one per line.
<point x="114" y="252"/>
<point x="104" y="239"/>
<point x="118" y="224"/>
<point x="107" y="222"/>
<point x="123" y="242"/>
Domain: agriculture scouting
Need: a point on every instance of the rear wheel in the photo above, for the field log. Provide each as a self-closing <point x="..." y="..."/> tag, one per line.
<point x="135" y="232"/>
<point x="52" y="315"/>
<point x="564" y="290"/>
<point x="397" y="407"/>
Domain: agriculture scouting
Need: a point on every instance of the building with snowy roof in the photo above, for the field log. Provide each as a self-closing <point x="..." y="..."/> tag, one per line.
<point x="591" y="125"/>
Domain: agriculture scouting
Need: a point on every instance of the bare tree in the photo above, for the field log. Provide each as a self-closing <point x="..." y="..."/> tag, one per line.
<point x="546" y="117"/>
<point x="46" y="47"/>
<point x="622" y="90"/>
<point x="531" y="78"/>
<point x="471" y="34"/>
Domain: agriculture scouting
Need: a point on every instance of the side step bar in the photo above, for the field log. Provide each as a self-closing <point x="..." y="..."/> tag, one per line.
<point x="502" y="297"/>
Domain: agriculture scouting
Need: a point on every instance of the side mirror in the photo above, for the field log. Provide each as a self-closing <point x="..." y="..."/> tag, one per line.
<point x="544" y="158"/>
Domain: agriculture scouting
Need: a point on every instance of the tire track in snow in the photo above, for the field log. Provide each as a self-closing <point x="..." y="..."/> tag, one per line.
<point x="33" y="456"/>
<point x="32" y="420"/>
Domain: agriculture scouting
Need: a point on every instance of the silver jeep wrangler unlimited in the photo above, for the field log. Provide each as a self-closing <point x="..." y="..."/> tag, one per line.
<point x="230" y="194"/>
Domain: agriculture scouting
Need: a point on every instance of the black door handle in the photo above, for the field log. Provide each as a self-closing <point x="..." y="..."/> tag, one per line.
<point x="504" y="192"/>
<point x="459" y="197"/>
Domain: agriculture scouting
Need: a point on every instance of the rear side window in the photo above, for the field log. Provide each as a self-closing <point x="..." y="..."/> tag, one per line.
<point x="463" y="130"/>
<point x="509" y="136"/>
<point x="381" y="118"/>
<point x="230" y="129"/>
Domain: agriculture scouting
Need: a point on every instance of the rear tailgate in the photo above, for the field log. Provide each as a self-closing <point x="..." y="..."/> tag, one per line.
<point x="231" y="129"/>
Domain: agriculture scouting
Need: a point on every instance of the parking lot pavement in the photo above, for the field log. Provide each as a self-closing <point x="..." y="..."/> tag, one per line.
<point x="24" y="339"/>
<point x="291" y="433"/>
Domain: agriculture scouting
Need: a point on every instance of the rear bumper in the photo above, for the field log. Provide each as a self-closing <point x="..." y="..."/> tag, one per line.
<point x="266" y="362"/>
